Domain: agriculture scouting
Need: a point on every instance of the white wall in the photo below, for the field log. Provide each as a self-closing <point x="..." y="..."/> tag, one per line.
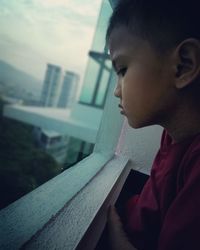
<point x="140" y="145"/>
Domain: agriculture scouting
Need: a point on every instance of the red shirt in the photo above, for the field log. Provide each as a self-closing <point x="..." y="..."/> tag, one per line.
<point x="166" y="215"/>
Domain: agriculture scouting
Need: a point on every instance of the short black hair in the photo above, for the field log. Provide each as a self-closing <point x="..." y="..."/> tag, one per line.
<point x="164" y="23"/>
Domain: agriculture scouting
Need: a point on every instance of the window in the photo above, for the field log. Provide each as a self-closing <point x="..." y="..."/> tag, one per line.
<point x="51" y="107"/>
<point x="23" y="219"/>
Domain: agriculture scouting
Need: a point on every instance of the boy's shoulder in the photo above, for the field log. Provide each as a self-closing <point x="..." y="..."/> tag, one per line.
<point x="177" y="159"/>
<point x="182" y="158"/>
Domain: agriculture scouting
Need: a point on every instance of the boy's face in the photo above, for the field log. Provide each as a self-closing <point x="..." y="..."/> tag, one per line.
<point x="145" y="79"/>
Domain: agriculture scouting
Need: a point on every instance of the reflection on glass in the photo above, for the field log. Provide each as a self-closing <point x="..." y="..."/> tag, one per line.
<point x="103" y="86"/>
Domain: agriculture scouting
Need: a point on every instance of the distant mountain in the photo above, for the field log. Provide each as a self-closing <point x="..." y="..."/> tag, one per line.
<point x="13" y="77"/>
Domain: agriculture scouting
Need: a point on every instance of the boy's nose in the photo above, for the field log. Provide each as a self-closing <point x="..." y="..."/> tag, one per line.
<point x="117" y="91"/>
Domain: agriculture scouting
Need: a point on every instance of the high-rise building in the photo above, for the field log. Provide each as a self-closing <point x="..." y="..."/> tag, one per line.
<point x="52" y="80"/>
<point x="68" y="90"/>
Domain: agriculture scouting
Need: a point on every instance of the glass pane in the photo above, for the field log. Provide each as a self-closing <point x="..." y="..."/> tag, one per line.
<point x="94" y="65"/>
<point x="44" y="47"/>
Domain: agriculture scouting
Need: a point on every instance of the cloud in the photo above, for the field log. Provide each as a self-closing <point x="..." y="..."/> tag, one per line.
<point x="88" y="8"/>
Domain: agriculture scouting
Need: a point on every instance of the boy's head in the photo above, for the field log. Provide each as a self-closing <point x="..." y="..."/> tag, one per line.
<point x="155" y="50"/>
<point x="163" y="23"/>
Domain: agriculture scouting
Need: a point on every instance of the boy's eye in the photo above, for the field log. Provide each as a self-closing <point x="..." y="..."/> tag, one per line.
<point x="121" y="72"/>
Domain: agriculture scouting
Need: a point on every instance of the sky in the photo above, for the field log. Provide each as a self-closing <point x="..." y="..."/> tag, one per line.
<point x="36" y="32"/>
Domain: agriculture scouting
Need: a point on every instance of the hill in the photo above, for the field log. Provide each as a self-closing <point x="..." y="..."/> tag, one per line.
<point x="21" y="82"/>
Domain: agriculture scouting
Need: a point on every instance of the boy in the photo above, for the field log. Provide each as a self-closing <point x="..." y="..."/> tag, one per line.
<point x="155" y="50"/>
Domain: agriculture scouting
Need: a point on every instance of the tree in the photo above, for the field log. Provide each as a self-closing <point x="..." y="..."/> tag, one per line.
<point x="23" y="166"/>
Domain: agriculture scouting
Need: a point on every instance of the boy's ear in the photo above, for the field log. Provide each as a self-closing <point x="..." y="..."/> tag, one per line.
<point x="187" y="62"/>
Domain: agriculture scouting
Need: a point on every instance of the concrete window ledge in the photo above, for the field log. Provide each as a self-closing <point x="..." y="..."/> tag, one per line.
<point x="26" y="216"/>
<point x="79" y="224"/>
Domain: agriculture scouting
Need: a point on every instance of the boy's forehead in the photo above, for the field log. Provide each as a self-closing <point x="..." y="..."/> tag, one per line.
<point x="122" y="41"/>
<point x="118" y="38"/>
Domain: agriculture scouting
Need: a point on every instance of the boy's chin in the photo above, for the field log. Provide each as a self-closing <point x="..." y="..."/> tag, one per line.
<point x="134" y="124"/>
<point x="137" y="124"/>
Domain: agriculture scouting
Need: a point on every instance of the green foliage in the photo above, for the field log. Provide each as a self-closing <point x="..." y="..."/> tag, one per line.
<point x="23" y="167"/>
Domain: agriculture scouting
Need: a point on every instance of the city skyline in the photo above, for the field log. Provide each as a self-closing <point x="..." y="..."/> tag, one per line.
<point x="35" y="32"/>
<point x="59" y="87"/>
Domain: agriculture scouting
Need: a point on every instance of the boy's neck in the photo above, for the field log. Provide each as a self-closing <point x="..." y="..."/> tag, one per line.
<point x="185" y="124"/>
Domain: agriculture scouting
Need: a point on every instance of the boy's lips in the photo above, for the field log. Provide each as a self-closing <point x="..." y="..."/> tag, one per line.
<point x="122" y="109"/>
